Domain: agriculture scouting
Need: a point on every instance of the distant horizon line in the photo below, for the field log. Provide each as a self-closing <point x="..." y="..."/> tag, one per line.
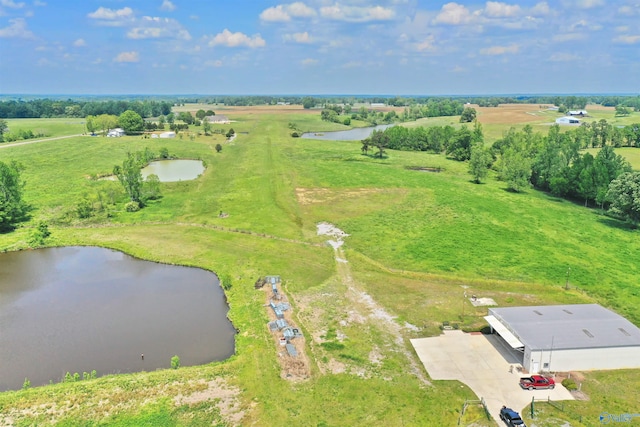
<point x="365" y="95"/>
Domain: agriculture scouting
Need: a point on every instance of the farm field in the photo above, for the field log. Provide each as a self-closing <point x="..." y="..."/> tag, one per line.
<point x="416" y="242"/>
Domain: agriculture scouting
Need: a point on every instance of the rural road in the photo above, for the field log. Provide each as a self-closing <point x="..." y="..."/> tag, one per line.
<point x="33" y="141"/>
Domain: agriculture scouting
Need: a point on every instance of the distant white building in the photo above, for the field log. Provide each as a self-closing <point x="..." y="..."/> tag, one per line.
<point x="168" y="135"/>
<point x="567" y="120"/>
<point x="115" y="133"/>
<point x="218" y="119"/>
<point x="377" y="104"/>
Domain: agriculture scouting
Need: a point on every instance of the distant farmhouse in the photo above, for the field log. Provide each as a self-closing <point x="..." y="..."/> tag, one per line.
<point x="115" y="133"/>
<point x="581" y="113"/>
<point x="377" y="104"/>
<point x="567" y="120"/>
<point x="218" y="119"/>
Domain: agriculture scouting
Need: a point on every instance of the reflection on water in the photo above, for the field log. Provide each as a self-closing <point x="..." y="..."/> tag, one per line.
<point x="77" y="309"/>
<point x="174" y="170"/>
<point x="355" y="134"/>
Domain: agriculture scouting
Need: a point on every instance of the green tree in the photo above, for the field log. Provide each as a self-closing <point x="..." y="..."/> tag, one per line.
<point x="516" y="170"/>
<point x="91" y="124"/>
<point x="186" y="117"/>
<point x="3" y="128"/>
<point x="230" y="133"/>
<point x="459" y="146"/>
<point x="468" y="115"/>
<point x="624" y="195"/>
<point x="105" y="122"/>
<point x="479" y="163"/>
<point x="12" y="208"/>
<point x="308" y="102"/>
<point x="175" y="362"/>
<point x="131" y="122"/>
<point x="171" y="118"/>
<point x="201" y="114"/>
<point x="218" y="148"/>
<point x="151" y="188"/>
<point x="206" y="126"/>
<point x="380" y="140"/>
<point x="130" y="177"/>
<point x="621" y="110"/>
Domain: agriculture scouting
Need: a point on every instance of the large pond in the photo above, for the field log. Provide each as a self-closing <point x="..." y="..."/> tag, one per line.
<point x="355" y="134"/>
<point x="78" y="309"/>
<point x="174" y="170"/>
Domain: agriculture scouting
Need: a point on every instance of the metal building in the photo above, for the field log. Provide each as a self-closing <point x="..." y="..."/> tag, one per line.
<point x="560" y="338"/>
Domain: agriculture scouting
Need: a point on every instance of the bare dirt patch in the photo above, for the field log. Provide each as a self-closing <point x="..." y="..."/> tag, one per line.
<point x="511" y="113"/>
<point x="308" y="196"/>
<point x="224" y="396"/>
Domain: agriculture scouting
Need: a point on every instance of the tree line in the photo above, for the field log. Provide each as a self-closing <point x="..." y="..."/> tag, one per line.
<point x="47" y="108"/>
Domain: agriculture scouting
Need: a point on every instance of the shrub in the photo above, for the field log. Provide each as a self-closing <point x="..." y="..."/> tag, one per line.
<point x="569" y="384"/>
<point x="84" y="208"/>
<point x="132" y="206"/>
<point x="26" y="384"/>
<point x="175" y="362"/>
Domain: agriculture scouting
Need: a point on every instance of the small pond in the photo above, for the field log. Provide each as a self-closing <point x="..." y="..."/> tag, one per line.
<point x="355" y="134"/>
<point x="78" y="309"/>
<point x="174" y="170"/>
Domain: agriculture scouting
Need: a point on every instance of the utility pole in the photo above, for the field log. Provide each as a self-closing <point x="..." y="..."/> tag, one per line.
<point x="566" y="285"/>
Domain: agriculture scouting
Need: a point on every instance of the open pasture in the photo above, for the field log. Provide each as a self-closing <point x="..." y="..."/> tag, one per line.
<point x="417" y="242"/>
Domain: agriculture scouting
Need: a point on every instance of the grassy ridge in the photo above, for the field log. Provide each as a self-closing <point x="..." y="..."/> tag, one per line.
<point x="415" y="239"/>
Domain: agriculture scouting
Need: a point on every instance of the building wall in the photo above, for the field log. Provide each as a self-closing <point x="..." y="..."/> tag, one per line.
<point x="582" y="359"/>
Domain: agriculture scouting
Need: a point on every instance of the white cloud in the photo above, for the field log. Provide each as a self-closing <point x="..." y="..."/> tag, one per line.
<point x="627" y="39"/>
<point x="39" y="3"/>
<point x="112" y="17"/>
<point x="629" y="10"/>
<point x="167" y="6"/>
<point x="541" y="8"/>
<point x="155" y="27"/>
<point x="427" y="44"/>
<point x="11" y="4"/>
<point x="309" y="62"/>
<point x="563" y="57"/>
<point x="453" y="14"/>
<point x="229" y="39"/>
<point x="500" y="50"/>
<point x="284" y="12"/>
<point x="132" y="56"/>
<point x="458" y="69"/>
<point x="298" y="37"/>
<point x="622" y="29"/>
<point x="589" y="4"/>
<point x="338" y="12"/>
<point x="17" y="29"/>
<point x="495" y="9"/>
<point x="79" y="43"/>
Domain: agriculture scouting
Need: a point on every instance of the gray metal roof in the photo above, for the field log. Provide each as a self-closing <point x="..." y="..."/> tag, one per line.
<point x="568" y="326"/>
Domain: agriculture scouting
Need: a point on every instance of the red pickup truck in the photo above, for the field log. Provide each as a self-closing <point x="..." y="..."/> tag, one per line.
<point x="537" y="382"/>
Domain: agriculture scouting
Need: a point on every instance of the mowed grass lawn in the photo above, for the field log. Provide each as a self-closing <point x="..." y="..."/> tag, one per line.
<point x="415" y="238"/>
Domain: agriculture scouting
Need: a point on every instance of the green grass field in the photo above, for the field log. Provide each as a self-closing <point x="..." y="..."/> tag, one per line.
<point x="49" y="127"/>
<point x="415" y="238"/>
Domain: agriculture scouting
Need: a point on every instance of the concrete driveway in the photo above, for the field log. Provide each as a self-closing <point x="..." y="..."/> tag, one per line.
<point x="482" y="362"/>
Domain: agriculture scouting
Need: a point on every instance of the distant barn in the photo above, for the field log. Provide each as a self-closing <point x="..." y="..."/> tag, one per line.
<point x="218" y="119"/>
<point x="567" y="120"/>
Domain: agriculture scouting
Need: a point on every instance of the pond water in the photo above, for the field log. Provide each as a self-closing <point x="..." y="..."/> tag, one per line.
<point x="355" y="134"/>
<point x="174" y="170"/>
<point x="78" y="309"/>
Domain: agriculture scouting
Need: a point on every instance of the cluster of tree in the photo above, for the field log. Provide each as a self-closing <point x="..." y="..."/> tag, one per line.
<point x="130" y="176"/>
<point x="456" y="143"/>
<point x="44" y="108"/>
<point x="432" y="108"/>
<point x="13" y="209"/>
<point x="601" y="133"/>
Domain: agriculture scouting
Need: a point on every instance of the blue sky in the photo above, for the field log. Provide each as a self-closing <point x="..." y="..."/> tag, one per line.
<point x="395" y="47"/>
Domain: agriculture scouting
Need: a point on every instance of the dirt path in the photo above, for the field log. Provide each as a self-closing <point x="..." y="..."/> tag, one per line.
<point x="363" y="304"/>
<point x="33" y="141"/>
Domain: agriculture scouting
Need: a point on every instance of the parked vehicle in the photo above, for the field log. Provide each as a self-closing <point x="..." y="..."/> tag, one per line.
<point x="511" y="417"/>
<point x="537" y="382"/>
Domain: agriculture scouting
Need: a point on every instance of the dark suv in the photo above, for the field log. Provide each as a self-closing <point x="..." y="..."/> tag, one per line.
<point x="511" y="417"/>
